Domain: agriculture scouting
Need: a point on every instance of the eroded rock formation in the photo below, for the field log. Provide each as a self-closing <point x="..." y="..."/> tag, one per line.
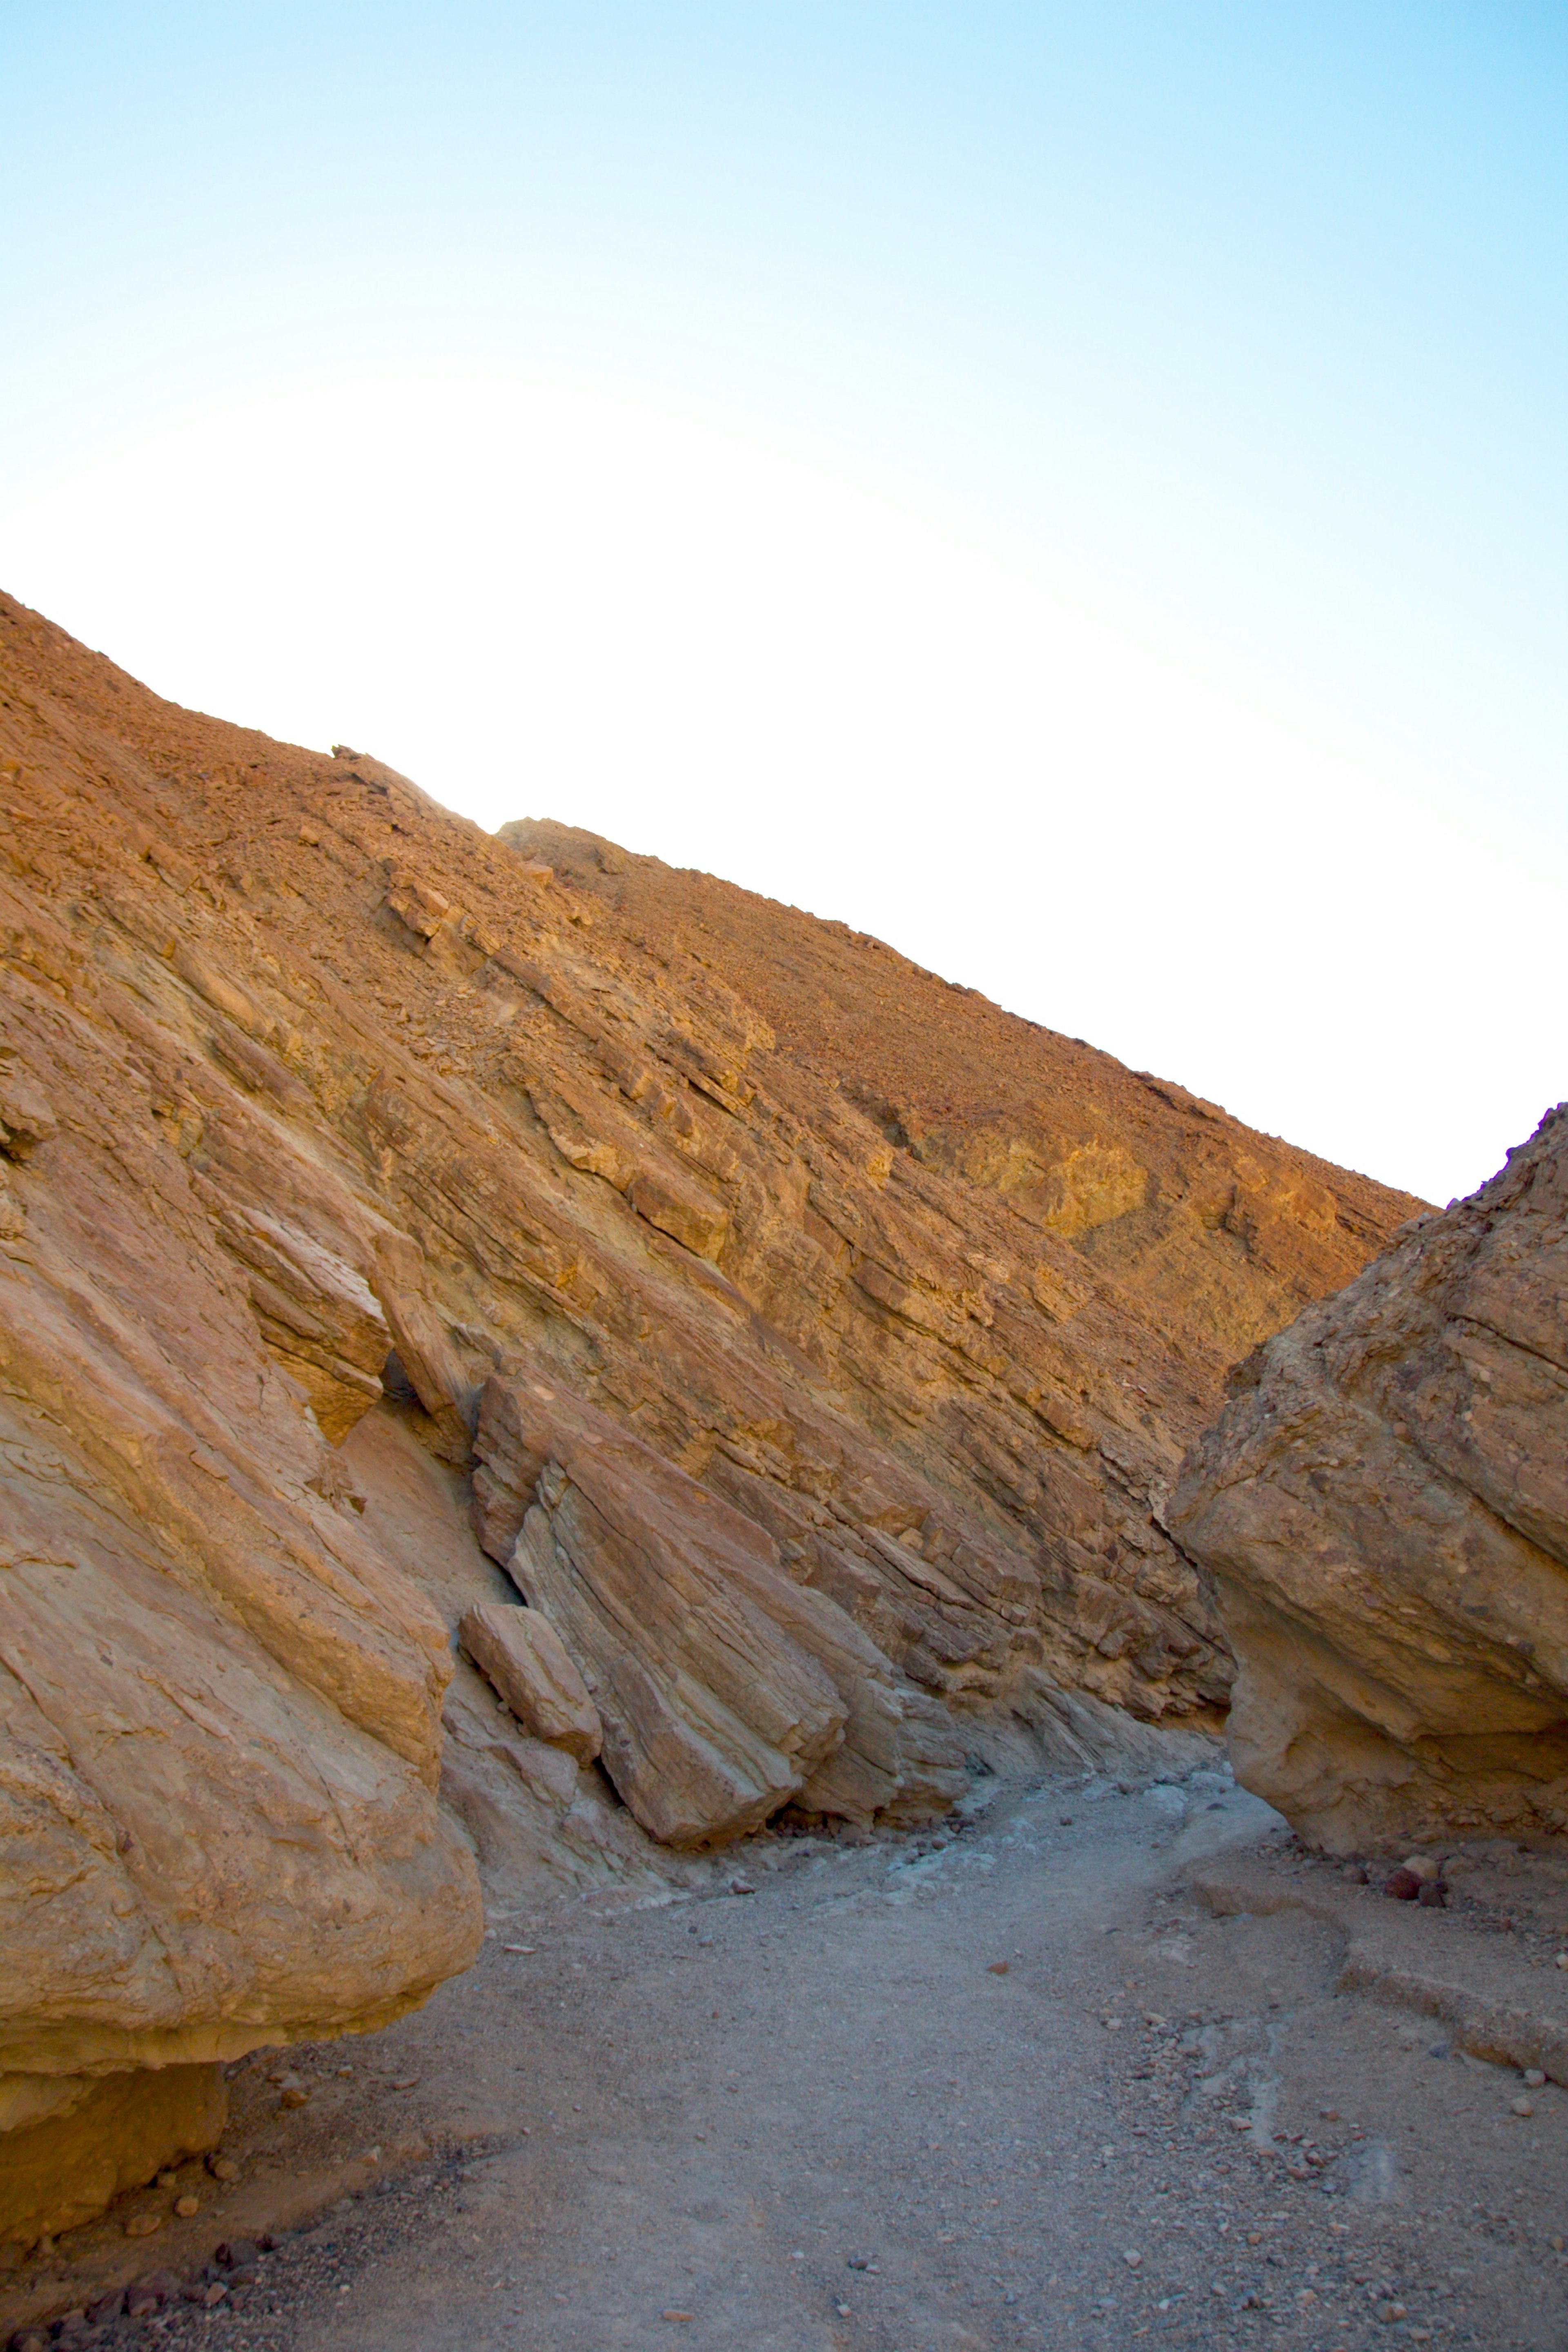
<point x="319" y="1110"/>
<point x="1383" y="1506"/>
<point x="725" y="1689"/>
<point x="528" y="1666"/>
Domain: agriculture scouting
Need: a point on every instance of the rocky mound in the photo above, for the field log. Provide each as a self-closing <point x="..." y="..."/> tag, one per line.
<point x="1384" y="1507"/>
<point x="323" y="1115"/>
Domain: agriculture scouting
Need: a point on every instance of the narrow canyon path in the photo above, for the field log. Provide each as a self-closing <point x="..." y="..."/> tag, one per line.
<point x="1009" y="2088"/>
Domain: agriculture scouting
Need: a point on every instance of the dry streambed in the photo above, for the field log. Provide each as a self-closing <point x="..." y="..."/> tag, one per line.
<point x="1019" y="2085"/>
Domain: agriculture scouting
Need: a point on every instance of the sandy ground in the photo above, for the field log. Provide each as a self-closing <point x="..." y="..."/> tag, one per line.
<point x="1015" y="2088"/>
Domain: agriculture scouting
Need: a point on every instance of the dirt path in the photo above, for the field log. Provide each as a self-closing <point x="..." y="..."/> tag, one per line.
<point x="877" y="2105"/>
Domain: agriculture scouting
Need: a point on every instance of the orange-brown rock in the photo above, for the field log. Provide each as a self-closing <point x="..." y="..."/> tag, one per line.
<point x="725" y="1689"/>
<point x="1218" y="1234"/>
<point x="313" y="1096"/>
<point x="1383" y="1506"/>
<point x="523" y="1658"/>
<point x="103" y="2135"/>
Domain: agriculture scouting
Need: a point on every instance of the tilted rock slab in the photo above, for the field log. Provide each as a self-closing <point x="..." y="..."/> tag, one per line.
<point x="1383" y="1506"/>
<point x="725" y="1689"/>
<point x="521" y="1657"/>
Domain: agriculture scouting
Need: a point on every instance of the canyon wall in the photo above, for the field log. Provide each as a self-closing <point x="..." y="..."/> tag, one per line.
<point x="328" y="1125"/>
<point x="1384" y="1507"/>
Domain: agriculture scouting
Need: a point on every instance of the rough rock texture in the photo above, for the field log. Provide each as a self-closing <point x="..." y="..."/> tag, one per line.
<point x="105" y="2136"/>
<point x="318" y="1106"/>
<point x="523" y="1657"/>
<point x="1217" y="1234"/>
<point x="1383" y="1506"/>
<point x="725" y="1689"/>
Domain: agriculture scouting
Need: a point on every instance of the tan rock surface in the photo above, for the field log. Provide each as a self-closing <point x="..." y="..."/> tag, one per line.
<point x="111" y="2134"/>
<point x="726" y="1690"/>
<point x="1383" y="1506"/>
<point x="297" y="1067"/>
<point x="1218" y="1234"/>
<point x="522" y="1655"/>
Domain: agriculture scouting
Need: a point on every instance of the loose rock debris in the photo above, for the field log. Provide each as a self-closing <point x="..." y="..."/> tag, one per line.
<point x="810" y="2125"/>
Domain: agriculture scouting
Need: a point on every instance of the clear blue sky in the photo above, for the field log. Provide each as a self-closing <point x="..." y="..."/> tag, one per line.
<point x="1078" y="490"/>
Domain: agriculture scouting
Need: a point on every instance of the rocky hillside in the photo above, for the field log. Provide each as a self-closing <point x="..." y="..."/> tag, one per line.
<point x="1385" y="1508"/>
<point x="1220" y="1235"/>
<point x="816" y="1342"/>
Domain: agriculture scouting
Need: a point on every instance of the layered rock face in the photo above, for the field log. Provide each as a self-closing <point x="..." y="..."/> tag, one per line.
<point x="1383" y="1506"/>
<point x="1217" y="1234"/>
<point x="724" y="1689"/>
<point x="313" y="1096"/>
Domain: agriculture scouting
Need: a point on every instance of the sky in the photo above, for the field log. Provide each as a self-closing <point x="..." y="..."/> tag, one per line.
<point x="1078" y="491"/>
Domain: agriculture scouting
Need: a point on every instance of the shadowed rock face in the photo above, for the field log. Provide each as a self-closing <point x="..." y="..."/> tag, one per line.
<point x="310" y="1092"/>
<point x="1384" y="1507"/>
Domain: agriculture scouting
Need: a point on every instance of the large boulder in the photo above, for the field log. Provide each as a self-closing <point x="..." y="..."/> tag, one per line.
<point x="725" y="1689"/>
<point x="1384" y="1507"/>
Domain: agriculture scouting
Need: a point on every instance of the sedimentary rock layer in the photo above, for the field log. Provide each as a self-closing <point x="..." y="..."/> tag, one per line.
<point x="1383" y="1506"/>
<point x="1217" y="1234"/>
<point x="528" y="1666"/>
<point x="725" y="1689"/>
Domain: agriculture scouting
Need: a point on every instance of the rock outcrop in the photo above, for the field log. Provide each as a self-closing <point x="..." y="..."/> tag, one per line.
<point x="1384" y="1507"/>
<point x="523" y="1656"/>
<point x="725" y="1690"/>
<point x="320" y="1110"/>
<point x="1217" y="1234"/>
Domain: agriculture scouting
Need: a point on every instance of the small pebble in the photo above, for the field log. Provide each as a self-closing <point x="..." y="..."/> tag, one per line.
<point x="678" y="2314"/>
<point x="168" y="2180"/>
<point x="1389" y="2313"/>
<point x="223" y="2167"/>
<point x="1133" y="2259"/>
<point x="142" y="2225"/>
<point x="1522" y="2107"/>
<point x="187" y="2207"/>
<point x="296" y="2097"/>
<point x="1534" y="2080"/>
<point x="998" y="1968"/>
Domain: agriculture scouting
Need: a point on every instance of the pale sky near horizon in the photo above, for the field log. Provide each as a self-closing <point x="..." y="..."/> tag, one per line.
<point x="1078" y="491"/>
